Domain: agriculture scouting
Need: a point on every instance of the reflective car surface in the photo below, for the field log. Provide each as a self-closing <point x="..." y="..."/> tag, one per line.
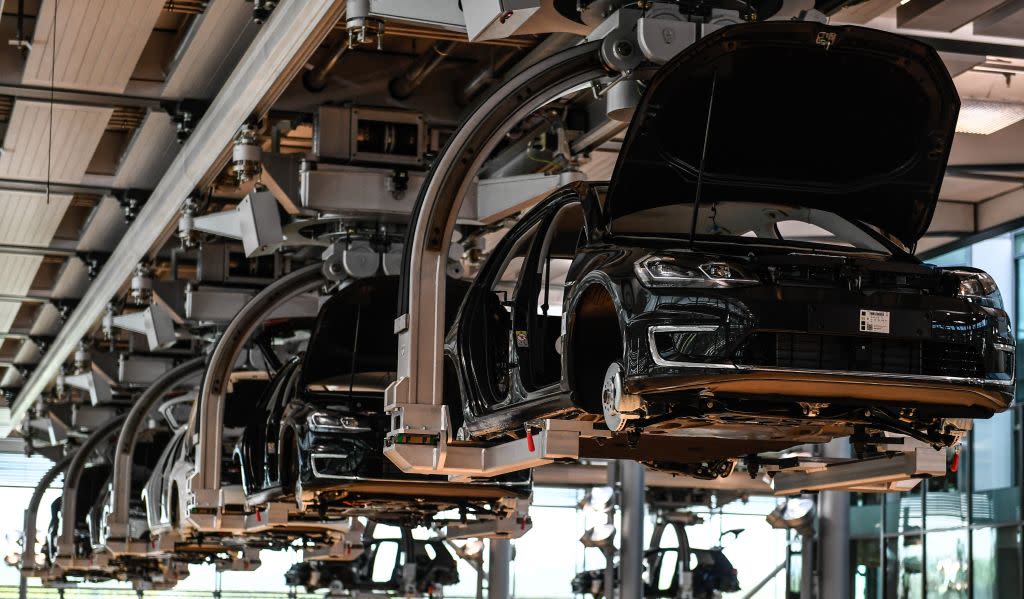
<point x="738" y="287"/>
<point x="317" y="433"/>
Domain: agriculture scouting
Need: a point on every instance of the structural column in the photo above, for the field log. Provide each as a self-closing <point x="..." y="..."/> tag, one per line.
<point x="834" y="533"/>
<point x="499" y="557"/>
<point x="631" y="556"/>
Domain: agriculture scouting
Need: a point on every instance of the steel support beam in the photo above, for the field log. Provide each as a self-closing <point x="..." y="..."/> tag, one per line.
<point x="277" y="54"/>
<point x="834" y="533"/>
<point x="631" y="554"/>
<point x="499" y="558"/>
<point x="77" y="97"/>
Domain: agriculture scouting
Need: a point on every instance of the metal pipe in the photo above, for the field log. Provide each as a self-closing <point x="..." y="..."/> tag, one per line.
<point x="631" y="553"/>
<point x="315" y="79"/>
<point x="28" y="553"/>
<point x="125" y="451"/>
<point x="208" y="416"/>
<point x="403" y="86"/>
<point x="73" y="476"/>
<point x="499" y="556"/>
<point x="486" y="76"/>
<point x="273" y="60"/>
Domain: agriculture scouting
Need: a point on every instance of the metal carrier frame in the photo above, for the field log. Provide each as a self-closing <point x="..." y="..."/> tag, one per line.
<point x="208" y="500"/>
<point x="118" y="538"/>
<point x="421" y="438"/>
<point x="66" y="559"/>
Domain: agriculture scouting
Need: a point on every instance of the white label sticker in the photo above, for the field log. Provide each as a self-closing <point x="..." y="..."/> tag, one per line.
<point x="874" y="321"/>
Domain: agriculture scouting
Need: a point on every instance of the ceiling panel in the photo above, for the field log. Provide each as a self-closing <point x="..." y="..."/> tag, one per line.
<point x="19" y="271"/>
<point x="98" y="43"/>
<point x="965" y="189"/>
<point x="29" y="218"/>
<point x="76" y="134"/>
<point x="153" y="146"/>
<point x="214" y="44"/>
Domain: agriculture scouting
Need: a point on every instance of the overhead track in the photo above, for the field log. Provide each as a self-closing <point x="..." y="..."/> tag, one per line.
<point x="278" y="53"/>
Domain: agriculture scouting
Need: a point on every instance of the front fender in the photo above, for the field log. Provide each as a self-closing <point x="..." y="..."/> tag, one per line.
<point x="593" y="279"/>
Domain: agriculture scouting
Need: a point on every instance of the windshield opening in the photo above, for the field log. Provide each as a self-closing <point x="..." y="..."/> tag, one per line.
<point x="754" y="221"/>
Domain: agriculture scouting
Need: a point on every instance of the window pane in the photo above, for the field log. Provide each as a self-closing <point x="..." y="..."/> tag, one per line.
<point x="946" y="498"/>
<point x="960" y="257"/>
<point x="996" y="463"/>
<point x="903" y="511"/>
<point x="903" y="575"/>
<point x="946" y="576"/>
<point x="996" y="566"/>
<point x="867" y="569"/>
<point x="384" y="561"/>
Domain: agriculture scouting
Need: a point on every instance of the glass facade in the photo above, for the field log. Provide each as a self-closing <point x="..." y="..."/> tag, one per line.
<point x="957" y="537"/>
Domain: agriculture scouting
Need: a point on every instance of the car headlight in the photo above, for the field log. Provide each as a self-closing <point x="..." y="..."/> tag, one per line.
<point x="979" y="287"/>
<point x="321" y="422"/>
<point x="674" y="271"/>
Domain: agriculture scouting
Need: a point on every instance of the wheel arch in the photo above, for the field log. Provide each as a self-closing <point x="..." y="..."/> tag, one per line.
<point x="595" y="335"/>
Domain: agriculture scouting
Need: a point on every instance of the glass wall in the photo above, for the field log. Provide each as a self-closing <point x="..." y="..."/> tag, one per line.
<point x="957" y="537"/>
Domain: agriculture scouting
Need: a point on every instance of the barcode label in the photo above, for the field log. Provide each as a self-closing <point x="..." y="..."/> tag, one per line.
<point x="874" y="321"/>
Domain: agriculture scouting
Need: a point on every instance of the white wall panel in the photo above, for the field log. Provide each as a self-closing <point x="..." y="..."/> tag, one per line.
<point x="76" y="134"/>
<point x="98" y="43"/>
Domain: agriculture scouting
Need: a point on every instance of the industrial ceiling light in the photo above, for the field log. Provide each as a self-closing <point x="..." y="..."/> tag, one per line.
<point x="796" y="514"/>
<point x="984" y="117"/>
<point x="601" y="536"/>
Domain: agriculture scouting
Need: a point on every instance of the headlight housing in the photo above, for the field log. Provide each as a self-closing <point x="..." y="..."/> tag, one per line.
<point x="323" y="422"/>
<point x="665" y="270"/>
<point x="979" y="287"/>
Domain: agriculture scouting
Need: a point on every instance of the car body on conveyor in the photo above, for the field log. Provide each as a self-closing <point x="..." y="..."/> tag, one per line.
<point x="746" y="282"/>
<point x="317" y="433"/>
<point x="711" y="574"/>
<point x="380" y="569"/>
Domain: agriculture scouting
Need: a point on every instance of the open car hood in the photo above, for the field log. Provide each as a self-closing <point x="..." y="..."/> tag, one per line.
<point x="851" y="120"/>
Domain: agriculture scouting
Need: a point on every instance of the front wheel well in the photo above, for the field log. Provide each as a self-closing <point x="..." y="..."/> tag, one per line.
<point x="286" y="454"/>
<point x="595" y="342"/>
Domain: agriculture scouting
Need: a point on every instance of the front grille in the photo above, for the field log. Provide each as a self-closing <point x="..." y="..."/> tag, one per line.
<point x="811" y="351"/>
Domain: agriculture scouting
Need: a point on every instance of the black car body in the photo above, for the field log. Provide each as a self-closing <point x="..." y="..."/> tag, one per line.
<point x="787" y="307"/>
<point x="380" y="569"/>
<point x="711" y="573"/>
<point x="317" y="433"/>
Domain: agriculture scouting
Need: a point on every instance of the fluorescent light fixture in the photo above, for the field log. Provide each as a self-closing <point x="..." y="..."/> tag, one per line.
<point x="984" y="117"/>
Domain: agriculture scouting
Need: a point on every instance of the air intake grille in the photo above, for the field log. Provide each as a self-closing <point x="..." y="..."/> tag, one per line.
<point x="859" y="354"/>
